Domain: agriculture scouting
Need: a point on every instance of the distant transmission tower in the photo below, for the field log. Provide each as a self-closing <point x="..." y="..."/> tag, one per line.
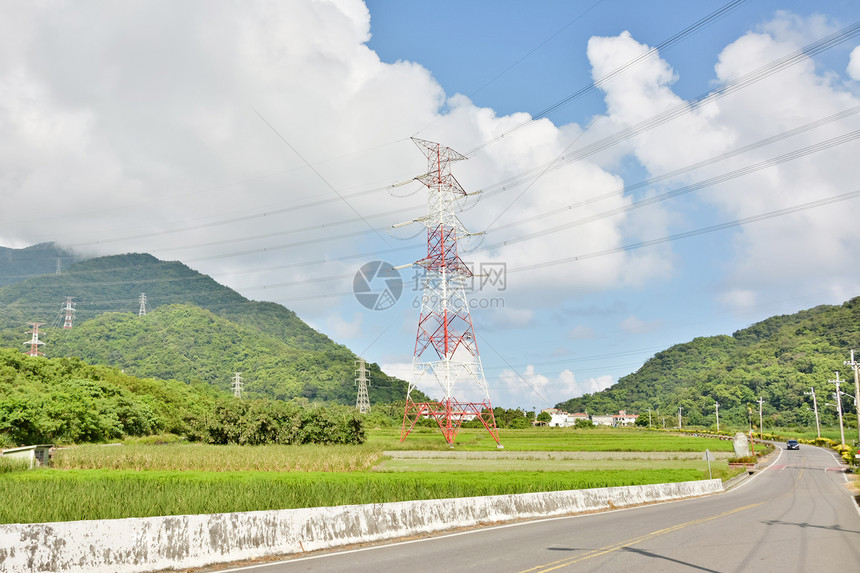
<point x="69" y="309"/>
<point x="142" y="310"/>
<point x="237" y="385"/>
<point x="59" y="266"/>
<point x="34" y="341"/>
<point x="445" y="347"/>
<point x="362" y="402"/>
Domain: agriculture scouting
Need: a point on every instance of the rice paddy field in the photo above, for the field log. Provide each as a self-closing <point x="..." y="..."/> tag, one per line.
<point x="148" y="479"/>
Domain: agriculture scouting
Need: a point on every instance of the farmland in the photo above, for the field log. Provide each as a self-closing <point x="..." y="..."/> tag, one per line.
<point x="137" y="480"/>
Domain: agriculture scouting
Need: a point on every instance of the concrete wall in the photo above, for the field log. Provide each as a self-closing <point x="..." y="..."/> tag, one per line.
<point x="147" y="544"/>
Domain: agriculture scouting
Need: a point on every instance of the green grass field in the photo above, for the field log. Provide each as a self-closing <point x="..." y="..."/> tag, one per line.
<point x="551" y="439"/>
<point x="139" y="479"/>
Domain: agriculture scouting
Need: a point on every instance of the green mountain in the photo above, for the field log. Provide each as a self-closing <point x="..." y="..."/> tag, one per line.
<point x="194" y="330"/>
<point x="19" y="264"/>
<point x="777" y="359"/>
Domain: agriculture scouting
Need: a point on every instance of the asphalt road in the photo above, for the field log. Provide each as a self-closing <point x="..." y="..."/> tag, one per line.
<point x="797" y="515"/>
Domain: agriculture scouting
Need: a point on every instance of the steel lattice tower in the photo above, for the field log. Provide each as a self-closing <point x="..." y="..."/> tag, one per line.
<point x="34" y="341"/>
<point x="362" y="401"/>
<point x="237" y="384"/>
<point x="142" y="300"/>
<point x="445" y="346"/>
<point x="69" y="309"/>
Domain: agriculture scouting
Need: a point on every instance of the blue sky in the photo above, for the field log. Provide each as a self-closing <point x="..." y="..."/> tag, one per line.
<point x="259" y="144"/>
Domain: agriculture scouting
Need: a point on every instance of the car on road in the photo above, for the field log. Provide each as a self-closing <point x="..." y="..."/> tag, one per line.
<point x="792" y="445"/>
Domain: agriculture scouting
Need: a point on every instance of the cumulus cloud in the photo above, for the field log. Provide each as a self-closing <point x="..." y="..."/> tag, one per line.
<point x="854" y="64"/>
<point x="532" y="387"/>
<point x="635" y="325"/>
<point x="793" y="248"/>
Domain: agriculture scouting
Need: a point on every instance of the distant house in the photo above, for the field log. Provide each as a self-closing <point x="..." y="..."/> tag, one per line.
<point x="562" y="419"/>
<point x="622" y="418"/>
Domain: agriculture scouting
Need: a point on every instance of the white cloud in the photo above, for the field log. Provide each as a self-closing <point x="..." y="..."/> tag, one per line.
<point x="792" y="249"/>
<point x="346" y="329"/>
<point x="580" y="332"/>
<point x="635" y="325"/>
<point x="534" y="388"/>
<point x="739" y="299"/>
<point x="854" y="64"/>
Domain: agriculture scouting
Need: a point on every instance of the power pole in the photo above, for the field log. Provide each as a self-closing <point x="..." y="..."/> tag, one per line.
<point x="839" y="407"/>
<point x="815" y="406"/>
<point x="717" y="406"/>
<point x="69" y="309"/>
<point x="760" y="419"/>
<point x="34" y="341"/>
<point x="679" y="417"/>
<point x="237" y="384"/>
<point x="856" y="367"/>
<point x="142" y="300"/>
<point x="446" y="348"/>
<point x="649" y="417"/>
<point x="362" y="402"/>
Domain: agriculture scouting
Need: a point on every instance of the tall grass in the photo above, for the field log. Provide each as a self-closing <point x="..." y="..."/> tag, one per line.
<point x="209" y="458"/>
<point x="10" y="464"/>
<point x="50" y="495"/>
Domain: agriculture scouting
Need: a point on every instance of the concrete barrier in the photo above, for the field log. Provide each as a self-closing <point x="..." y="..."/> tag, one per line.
<point x="153" y="543"/>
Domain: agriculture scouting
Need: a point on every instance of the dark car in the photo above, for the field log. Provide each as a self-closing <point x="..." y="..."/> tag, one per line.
<point x="792" y="445"/>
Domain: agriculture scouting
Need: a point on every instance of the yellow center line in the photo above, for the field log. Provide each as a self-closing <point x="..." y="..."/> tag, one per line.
<point x="616" y="546"/>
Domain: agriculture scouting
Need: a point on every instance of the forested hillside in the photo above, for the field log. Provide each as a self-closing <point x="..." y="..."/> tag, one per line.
<point x="20" y="264"/>
<point x="777" y="359"/>
<point x="194" y="330"/>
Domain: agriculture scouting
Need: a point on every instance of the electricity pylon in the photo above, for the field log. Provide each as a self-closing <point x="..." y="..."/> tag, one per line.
<point x="142" y="300"/>
<point x="237" y="384"/>
<point x="69" y="309"/>
<point x="446" y="350"/>
<point x="362" y="401"/>
<point x="34" y="341"/>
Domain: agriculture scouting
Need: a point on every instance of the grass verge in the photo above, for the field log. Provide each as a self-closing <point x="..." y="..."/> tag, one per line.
<point x="51" y="495"/>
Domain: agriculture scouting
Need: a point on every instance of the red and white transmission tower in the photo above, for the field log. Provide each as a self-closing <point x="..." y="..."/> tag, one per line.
<point x="445" y="347"/>
<point x="69" y="309"/>
<point x="34" y="341"/>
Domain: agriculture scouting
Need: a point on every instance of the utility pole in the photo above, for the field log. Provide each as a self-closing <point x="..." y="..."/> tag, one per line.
<point x="815" y="406"/>
<point x="760" y="419"/>
<point x="34" y="341"/>
<point x="679" y="417"/>
<point x="839" y="407"/>
<point x="362" y="402"/>
<point x="446" y="348"/>
<point x="856" y="367"/>
<point x="237" y="384"/>
<point x="649" y="417"/>
<point x="717" y="406"/>
<point x="142" y="301"/>
<point x="69" y="309"/>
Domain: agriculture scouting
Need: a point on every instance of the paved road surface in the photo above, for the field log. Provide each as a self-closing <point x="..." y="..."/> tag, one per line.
<point x="795" y="516"/>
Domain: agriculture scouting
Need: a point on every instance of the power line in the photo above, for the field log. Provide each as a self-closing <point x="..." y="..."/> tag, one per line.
<point x="696" y="232"/>
<point x="685" y="189"/>
<point x="685" y="107"/>
<point x="688" y="31"/>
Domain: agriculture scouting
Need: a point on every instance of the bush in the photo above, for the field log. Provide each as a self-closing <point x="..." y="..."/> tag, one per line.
<point x="257" y="422"/>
